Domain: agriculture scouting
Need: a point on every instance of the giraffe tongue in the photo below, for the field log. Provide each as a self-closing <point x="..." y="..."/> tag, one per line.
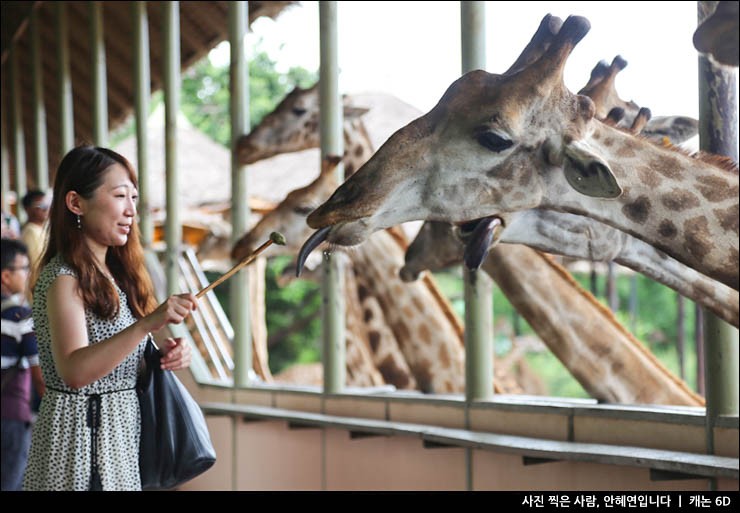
<point x="480" y="241"/>
<point x="311" y="243"/>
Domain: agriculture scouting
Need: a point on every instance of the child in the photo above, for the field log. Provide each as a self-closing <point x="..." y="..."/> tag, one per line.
<point x="20" y="364"/>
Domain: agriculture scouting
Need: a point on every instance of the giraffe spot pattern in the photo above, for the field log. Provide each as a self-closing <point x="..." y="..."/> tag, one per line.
<point x="444" y="357"/>
<point x="425" y="335"/>
<point x="638" y="210"/>
<point x="393" y="374"/>
<point x="374" y="339"/>
<point x="667" y="229"/>
<point x="647" y="177"/>
<point x="627" y="149"/>
<point x="423" y="375"/>
<point x="679" y="199"/>
<point x="715" y="188"/>
<point x="728" y="218"/>
<point x="60" y="448"/>
<point x="697" y="239"/>
<point x="668" y="167"/>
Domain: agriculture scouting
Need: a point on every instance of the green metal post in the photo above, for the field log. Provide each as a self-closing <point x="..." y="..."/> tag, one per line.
<point x="142" y="92"/>
<point x="19" y="147"/>
<point x="39" y="120"/>
<point x="333" y="318"/>
<point x="718" y="134"/>
<point x="66" y="114"/>
<point x="478" y="288"/>
<point x="98" y="70"/>
<point x="173" y="229"/>
<point x="4" y="161"/>
<point x="239" y="106"/>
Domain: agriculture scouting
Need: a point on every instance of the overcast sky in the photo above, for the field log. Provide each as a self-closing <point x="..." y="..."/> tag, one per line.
<point x="412" y="49"/>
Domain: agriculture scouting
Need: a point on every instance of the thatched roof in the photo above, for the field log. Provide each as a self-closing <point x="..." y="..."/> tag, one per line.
<point x="203" y="25"/>
<point x="204" y="166"/>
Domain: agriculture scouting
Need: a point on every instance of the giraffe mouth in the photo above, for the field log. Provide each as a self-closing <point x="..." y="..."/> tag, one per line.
<point x="479" y="236"/>
<point x="345" y="233"/>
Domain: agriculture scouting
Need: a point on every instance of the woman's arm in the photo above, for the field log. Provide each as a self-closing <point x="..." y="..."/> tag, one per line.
<point x="79" y="363"/>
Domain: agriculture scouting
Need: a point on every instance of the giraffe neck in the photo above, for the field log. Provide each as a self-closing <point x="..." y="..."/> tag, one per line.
<point x="684" y="206"/>
<point x="432" y="345"/>
<point x="358" y="147"/>
<point x="581" y="237"/>
<point x="554" y="304"/>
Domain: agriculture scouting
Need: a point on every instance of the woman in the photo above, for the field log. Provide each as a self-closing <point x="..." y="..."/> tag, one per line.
<point x="93" y="308"/>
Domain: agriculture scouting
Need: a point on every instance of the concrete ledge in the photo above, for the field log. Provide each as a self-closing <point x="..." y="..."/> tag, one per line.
<point x="677" y="462"/>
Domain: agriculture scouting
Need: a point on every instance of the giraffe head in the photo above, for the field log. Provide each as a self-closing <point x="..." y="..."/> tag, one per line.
<point x="602" y="90"/>
<point x="435" y="247"/>
<point x="289" y="217"/>
<point x="292" y="126"/>
<point x="717" y="35"/>
<point x="486" y="147"/>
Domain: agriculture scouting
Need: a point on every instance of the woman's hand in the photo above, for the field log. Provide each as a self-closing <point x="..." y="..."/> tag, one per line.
<point x="176" y="354"/>
<point x="173" y="311"/>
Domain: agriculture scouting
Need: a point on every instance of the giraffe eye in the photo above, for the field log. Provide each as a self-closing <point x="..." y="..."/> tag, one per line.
<point x="299" y="111"/>
<point x="303" y="210"/>
<point x="494" y="142"/>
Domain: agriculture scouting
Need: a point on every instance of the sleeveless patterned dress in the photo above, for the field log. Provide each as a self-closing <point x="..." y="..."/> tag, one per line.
<point x="63" y="448"/>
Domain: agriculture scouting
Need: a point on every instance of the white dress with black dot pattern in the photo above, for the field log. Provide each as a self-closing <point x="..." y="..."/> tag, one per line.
<point x="60" y="456"/>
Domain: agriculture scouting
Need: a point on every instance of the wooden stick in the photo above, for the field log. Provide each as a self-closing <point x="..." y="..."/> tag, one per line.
<point x="275" y="237"/>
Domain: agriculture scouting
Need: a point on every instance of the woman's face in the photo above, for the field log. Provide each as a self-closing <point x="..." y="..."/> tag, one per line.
<point x="108" y="216"/>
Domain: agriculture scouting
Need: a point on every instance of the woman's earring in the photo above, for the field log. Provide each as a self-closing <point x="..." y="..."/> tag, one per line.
<point x="79" y="222"/>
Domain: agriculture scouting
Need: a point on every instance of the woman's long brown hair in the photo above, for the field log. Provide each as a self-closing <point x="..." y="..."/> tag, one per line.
<point x="82" y="170"/>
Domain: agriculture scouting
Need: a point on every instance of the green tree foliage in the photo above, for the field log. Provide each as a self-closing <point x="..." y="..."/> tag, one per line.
<point x="293" y="320"/>
<point x="655" y="321"/>
<point x="205" y="93"/>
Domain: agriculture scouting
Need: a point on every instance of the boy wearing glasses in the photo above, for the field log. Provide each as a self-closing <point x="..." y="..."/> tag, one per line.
<point x="36" y="205"/>
<point x="20" y="364"/>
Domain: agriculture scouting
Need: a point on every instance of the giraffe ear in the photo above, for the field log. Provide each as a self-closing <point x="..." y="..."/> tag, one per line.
<point x="588" y="173"/>
<point x="351" y="112"/>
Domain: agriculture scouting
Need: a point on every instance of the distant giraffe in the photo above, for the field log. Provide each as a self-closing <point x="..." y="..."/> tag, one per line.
<point x="421" y="320"/>
<point x="601" y="89"/>
<point x="717" y="34"/>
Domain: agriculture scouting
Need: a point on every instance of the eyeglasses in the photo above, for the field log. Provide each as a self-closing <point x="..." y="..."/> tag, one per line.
<point x="41" y="207"/>
<point x="25" y="268"/>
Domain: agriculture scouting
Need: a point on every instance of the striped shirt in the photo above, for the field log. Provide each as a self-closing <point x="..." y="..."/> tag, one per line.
<point x="18" y="348"/>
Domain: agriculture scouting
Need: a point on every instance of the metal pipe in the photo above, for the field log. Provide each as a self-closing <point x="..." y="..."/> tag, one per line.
<point x="332" y="143"/>
<point x="239" y="106"/>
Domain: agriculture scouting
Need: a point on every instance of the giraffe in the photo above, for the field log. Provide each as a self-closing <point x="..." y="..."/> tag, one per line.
<point x="589" y="239"/>
<point x="717" y="34"/>
<point x="425" y="334"/>
<point x="610" y="364"/>
<point x="601" y="89"/>
<point x="580" y="237"/>
<point x="505" y="143"/>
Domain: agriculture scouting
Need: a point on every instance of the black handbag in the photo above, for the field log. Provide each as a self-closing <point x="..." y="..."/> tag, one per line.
<point x="175" y="444"/>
